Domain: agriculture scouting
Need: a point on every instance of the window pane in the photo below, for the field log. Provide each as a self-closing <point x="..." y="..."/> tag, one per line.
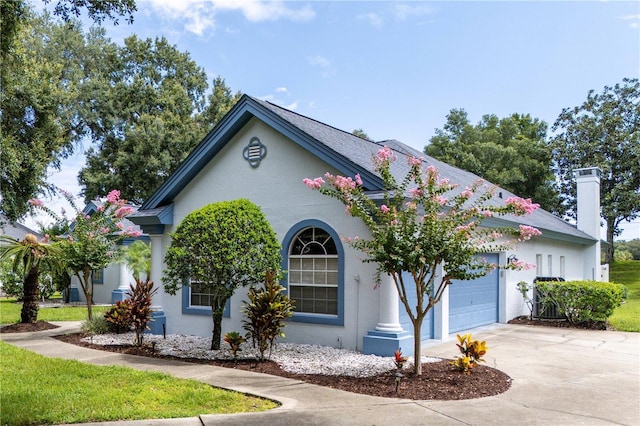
<point x="319" y="277"/>
<point x="307" y="277"/>
<point x="332" y="278"/>
<point x="294" y="276"/>
<point x="307" y="264"/>
<point x="332" y="264"/>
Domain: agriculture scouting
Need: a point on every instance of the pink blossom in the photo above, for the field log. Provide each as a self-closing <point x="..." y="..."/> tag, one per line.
<point x="521" y="205"/>
<point x="134" y="233"/>
<point x="431" y="170"/>
<point x="35" y="202"/>
<point x="344" y="183"/>
<point x="466" y="193"/>
<point x="104" y="230"/>
<point x="414" y="161"/>
<point x="443" y="182"/>
<point x="487" y="213"/>
<point x="416" y="192"/>
<point x="385" y="154"/>
<point x="394" y="222"/>
<point x="441" y="200"/>
<point x="313" y="183"/>
<point x="119" y="225"/>
<point x="123" y="211"/>
<point x="526" y="232"/>
<point x="411" y="205"/>
<point x="358" y="179"/>
<point x="113" y="197"/>
<point x="384" y="208"/>
<point x="100" y="208"/>
<point x="46" y="238"/>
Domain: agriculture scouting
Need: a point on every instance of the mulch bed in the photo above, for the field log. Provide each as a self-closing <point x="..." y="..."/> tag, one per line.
<point x="439" y="381"/>
<point x="27" y="327"/>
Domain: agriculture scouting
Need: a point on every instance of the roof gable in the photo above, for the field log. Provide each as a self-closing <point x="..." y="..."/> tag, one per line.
<point x="335" y="147"/>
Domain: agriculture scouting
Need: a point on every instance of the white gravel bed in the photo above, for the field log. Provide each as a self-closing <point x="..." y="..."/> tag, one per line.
<point x="294" y="358"/>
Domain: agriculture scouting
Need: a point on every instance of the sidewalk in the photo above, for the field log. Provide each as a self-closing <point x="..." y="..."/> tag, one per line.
<point x="560" y="376"/>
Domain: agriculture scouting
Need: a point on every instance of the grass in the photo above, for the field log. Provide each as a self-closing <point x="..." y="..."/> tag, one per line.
<point x="63" y="391"/>
<point x="10" y="312"/>
<point x="627" y="316"/>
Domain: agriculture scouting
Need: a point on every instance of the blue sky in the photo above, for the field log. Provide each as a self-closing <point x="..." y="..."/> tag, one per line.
<point x="395" y="69"/>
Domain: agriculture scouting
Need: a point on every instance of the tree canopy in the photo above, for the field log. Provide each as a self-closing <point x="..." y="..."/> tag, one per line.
<point x="423" y="223"/>
<point x="40" y="76"/>
<point x="140" y="107"/>
<point x="603" y="132"/>
<point x="221" y="247"/>
<point x="510" y="152"/>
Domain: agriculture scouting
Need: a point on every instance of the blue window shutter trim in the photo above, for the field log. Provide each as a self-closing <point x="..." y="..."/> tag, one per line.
<point x="286" y="243"/>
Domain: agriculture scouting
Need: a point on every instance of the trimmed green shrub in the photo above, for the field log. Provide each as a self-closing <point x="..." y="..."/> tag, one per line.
<point x="96" y="325"/>
<point x="583" y="301"/>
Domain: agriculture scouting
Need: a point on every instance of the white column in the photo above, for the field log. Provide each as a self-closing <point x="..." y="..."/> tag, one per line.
<point x="389" y="314"/>
<point x="156" y="268"/>
<point x="125" y="277"/>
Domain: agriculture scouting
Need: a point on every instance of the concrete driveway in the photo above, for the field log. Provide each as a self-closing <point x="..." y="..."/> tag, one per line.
<point x="560" y="377"/>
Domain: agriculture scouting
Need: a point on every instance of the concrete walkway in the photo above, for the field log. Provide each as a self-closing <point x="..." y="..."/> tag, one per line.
<point x="560" y="377"/>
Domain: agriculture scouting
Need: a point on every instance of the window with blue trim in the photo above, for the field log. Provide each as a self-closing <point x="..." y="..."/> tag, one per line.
<point x="97" y="276"/>
<point x="313" y="272"/>
<point x="313" y="257"/>
<point x="196" y="300"/>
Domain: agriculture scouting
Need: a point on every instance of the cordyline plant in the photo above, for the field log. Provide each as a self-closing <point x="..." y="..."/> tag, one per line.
<point x="266" y="312"/>
<point x="91" y="242"/>
<point x="423" y="222"/>
<point x="27" y="257"/>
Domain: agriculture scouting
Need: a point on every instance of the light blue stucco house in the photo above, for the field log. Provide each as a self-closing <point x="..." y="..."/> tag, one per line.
<point x="262" y="152"/>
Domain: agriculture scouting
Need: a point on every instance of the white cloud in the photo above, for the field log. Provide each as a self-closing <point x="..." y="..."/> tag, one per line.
<point x="404" y="11"/>
<point x="373" y="18"/>
<point x="323" y="63"/>
<point x="200" y="15"/>
<point x="319" y="60"/>
<point x="634" y="18"/>
<point x="281" y="90"/>
<point x="256" y="11"/>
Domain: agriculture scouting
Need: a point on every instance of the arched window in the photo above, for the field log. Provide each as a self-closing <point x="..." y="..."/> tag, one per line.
<point x="314" y="264"/>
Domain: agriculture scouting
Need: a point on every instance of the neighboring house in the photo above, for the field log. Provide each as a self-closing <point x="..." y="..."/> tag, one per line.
<point x="262" y="152"/>
<point x="111" y="283"/>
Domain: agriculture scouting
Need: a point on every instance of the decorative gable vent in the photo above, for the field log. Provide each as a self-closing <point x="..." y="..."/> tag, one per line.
<point x="254" y="152"/>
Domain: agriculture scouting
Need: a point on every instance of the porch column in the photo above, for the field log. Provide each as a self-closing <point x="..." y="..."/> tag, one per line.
<point x="120" y="293"/>
<point x="388" y="336"/>
<point x="159" y="323"/>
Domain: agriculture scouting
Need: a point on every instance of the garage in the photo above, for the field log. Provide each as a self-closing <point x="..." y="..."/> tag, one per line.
<point x="473" y="303"/>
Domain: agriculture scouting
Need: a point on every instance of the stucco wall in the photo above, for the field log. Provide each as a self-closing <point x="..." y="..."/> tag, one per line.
<point x="276" y="186"/>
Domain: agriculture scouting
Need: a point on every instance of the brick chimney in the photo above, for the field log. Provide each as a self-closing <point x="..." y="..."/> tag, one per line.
<point x="588" y="215"/>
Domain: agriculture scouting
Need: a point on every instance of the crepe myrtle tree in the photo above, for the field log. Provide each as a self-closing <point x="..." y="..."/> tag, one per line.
<point x="218" y="248"/>
<point x="91" y="243"/>
<point x="27" y="258"/>
<point x="422" y="222"/>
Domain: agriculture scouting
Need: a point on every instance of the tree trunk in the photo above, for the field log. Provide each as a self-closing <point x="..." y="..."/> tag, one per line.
<point x="608" y="258"/>
<point x="30" y="305"/>
<point x="417" y="345"/>
<point x="217" y="310"/>
<point x="87" y="289"/>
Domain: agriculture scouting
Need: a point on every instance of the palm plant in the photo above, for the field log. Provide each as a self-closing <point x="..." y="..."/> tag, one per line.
<point x="28" y="256"/>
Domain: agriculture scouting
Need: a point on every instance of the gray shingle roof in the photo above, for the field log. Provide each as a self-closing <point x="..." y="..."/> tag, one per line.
<point x="360" y="152"/>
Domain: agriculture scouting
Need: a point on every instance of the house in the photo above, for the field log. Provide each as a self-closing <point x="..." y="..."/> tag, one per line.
<point x="262" y="152"/>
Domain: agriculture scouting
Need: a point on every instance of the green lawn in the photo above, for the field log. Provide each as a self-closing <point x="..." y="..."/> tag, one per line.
<point x="627" y="316"/>
<point x="63" y="391"/>
<point x="10" y="312"/>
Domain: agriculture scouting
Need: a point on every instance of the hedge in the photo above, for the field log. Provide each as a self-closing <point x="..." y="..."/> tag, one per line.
<point x="583" y="301"/>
